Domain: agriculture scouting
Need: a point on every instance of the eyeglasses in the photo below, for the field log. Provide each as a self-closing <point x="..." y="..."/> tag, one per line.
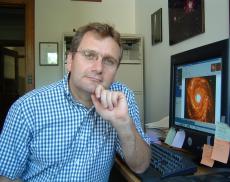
<point x="91" y="55"/>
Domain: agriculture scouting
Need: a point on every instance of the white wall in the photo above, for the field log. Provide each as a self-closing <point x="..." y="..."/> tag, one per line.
<point x="157" y="57"/>
<point x="55" y="17"/>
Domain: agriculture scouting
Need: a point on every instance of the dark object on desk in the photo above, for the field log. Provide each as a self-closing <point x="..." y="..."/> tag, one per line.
<point x="214" y="177"/>
<point x="166" y="162"/>
<point x="115" y="175"/>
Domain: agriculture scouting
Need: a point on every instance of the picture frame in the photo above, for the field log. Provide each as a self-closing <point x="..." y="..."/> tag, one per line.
<point x="156" y="26"/>
<point x="88" y="0"/>
<point x="48" y="53"/>
<point x="186" y="19"/>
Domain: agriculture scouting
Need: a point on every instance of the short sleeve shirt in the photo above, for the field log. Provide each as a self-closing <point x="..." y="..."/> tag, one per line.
<point x="49" y="136"/>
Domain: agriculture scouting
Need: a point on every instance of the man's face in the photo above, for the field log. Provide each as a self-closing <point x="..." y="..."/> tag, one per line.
<point x="88" y="70"/>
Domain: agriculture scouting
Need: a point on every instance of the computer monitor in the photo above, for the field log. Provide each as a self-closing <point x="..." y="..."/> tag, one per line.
<point x="200" y="93"/>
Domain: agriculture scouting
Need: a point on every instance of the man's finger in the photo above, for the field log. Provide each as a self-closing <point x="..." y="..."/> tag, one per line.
<point x="103" y="98"/>
<point x="109" y="100"/>
<point x="114" y="99"/>
<point x="98" y="91"/>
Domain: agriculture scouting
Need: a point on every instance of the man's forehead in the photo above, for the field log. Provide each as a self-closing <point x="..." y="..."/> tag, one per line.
<point x="90" y="36"/>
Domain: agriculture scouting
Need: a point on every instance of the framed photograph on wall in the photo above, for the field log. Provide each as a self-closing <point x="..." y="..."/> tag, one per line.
<point x="88" y="0"/>
<point x="186" y="19"/>
<point x="156" y="26"/>
<point x="48" y="53"/>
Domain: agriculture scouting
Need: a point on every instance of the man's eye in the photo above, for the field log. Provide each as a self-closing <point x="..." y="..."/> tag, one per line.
<point x="90" y="55"/>
<point x="109" y="61"/>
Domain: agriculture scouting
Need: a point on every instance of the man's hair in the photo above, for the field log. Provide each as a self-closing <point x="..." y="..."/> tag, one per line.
<point x="103" y="30"/>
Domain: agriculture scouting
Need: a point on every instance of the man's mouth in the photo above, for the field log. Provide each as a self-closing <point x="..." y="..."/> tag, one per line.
<point x="95" y="79"/>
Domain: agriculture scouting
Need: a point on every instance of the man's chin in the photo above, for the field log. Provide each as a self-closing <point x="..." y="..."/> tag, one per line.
<point x="93" y="85"/>
<point x="91" y="89"/>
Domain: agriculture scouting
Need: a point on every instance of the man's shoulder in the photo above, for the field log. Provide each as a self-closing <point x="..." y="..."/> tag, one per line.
<point x="118" y="86"/>
<point x="44" y="91"/>
<point x="121" y="87"/>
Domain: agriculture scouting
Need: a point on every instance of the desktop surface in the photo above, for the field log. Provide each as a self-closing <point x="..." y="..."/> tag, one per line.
<point x="220" y="175"/>
<point x="188" y="172"/>
<point x="213" y="177"/>
<point x="203" y="174"/>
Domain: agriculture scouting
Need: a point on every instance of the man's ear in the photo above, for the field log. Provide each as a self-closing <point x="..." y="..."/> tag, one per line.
<point x="69" y="60"/>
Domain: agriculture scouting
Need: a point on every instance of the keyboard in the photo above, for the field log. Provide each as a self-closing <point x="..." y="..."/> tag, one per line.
<point x="166" y="162"/>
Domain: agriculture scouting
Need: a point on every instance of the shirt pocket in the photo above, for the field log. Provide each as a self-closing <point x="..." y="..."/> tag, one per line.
<point x="51" y="147"/>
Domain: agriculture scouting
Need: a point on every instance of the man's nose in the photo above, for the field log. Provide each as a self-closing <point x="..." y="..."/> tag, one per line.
<point x="98" y="64"/>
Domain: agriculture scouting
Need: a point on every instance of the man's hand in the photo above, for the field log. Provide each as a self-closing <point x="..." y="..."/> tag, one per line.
<point x="111" y="105"/>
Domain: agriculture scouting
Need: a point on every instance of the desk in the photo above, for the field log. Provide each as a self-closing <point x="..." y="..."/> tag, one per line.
<point x="125" y="171"/>
<point x="131" y="177"/>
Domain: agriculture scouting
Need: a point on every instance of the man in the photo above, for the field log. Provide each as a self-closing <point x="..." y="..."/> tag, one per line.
<point x="72" y="129"/>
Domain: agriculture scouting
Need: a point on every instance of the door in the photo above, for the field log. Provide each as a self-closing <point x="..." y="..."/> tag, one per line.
<point x="9" y="79"/>
<point x="28" y="57"/>
<point x="28" y="5"/>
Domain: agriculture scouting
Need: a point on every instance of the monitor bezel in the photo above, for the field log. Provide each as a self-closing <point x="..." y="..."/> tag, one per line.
<point x="219" y="49"/>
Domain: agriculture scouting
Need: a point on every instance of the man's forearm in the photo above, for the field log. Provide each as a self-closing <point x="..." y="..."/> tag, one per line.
<point x="136" y="151"/>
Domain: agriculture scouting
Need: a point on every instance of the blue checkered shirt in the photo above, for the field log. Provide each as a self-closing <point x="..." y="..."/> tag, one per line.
<point x="49" y="136"/>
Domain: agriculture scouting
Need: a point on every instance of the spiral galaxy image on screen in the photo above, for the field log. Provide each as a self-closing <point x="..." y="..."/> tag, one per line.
<point x="200" y="98"/>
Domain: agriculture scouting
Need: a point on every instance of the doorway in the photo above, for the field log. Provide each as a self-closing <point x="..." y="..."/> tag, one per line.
<point x="9" y="78"/>
<point x="16" y="52"/>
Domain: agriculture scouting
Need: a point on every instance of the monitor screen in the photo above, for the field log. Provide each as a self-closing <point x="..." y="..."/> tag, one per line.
<point x="198" y="94"/>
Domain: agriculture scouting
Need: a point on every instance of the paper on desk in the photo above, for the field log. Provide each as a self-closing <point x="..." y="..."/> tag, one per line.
<point x="222" y="131"/>
<point x="162" y="123"/>
<point x="206" y="156"/>
<point x="178" y="140"/>
<point x="220" y="150"/>
<point x="153" y="135"/>
<point x="170" y="136"/>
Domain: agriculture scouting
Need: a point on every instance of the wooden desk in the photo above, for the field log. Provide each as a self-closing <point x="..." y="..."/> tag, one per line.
<point x="125" y="171"/>
<point x="131" y="177"/>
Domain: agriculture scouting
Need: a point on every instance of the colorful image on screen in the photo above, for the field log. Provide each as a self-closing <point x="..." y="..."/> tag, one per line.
<point x="198" y="95"/>
<point x="200" y="98"/>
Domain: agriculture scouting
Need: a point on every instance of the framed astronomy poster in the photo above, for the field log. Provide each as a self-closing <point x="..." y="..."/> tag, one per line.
<point x="186" y="19"/>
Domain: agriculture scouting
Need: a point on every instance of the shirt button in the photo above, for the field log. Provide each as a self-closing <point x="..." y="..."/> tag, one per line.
<point x="77" y="161"/>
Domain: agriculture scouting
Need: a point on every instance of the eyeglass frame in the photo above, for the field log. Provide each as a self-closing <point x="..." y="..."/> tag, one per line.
<point x="83" y="53"/>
